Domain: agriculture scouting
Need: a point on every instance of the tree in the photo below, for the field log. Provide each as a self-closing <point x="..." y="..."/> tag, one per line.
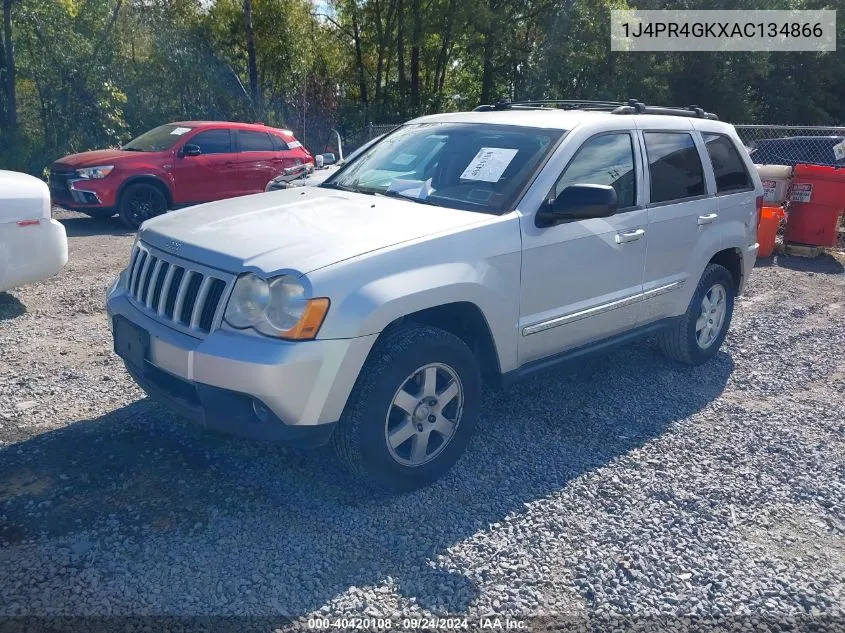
<point x="252" y="66"/>
<point x="9" y="75"/>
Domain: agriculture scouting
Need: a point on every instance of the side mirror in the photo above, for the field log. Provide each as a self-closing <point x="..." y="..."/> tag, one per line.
<point x="190" y="150"/>
<point x="579" y="202"/>
<point x="328" y="158"/>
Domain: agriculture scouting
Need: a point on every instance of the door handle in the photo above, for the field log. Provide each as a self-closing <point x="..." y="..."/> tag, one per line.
<point x="631" y="236"/>
<point x="710" y="218"/>
<point x="229" y="164"/>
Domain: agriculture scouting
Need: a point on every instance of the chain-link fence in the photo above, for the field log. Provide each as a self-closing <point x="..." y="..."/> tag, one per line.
<point x="377" y="129"/>
<point x="790" y="145"/>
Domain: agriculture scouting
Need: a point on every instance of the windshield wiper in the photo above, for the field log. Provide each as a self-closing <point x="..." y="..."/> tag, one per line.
<point x="396" y="194"/>
<point x="334" y="185"/>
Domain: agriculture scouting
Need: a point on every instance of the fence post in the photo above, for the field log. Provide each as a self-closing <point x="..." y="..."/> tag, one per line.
<point x="370" y="131"/>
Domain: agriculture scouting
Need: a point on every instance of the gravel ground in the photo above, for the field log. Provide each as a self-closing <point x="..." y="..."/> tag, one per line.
<point x="628" y="490"/>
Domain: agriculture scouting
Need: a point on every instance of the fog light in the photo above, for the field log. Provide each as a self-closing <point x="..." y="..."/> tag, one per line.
<point x="261" y="410"/>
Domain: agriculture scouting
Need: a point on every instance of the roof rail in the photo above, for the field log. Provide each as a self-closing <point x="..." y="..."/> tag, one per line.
<point x="637" y="107"/>
<point x="632" y="106"/>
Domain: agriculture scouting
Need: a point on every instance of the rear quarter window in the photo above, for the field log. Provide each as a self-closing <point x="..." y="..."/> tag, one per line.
<point x="728" y="165"/>
<point x="674" y="166"/>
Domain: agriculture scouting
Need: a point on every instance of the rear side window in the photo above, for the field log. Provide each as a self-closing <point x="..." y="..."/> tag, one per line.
<point x="255" y="141"/>
<point x="674" y="165"/>
<point x="604" y="160"/>
<point x="213" y="142"/>
<point x="728" y="165"/>
<point x="278" y="144"/>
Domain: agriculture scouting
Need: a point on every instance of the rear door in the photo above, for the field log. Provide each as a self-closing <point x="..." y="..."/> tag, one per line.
<point x="257" y="163"/>
<point x="683" y="215"/>
<point x="209" y="176"/>
<point x="735" y="189"/>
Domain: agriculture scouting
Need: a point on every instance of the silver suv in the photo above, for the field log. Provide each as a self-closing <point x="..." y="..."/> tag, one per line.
<point x="460" y="248"/>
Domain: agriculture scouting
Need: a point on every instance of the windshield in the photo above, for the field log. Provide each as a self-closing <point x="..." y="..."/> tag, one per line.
<point x="474" y="166"/>
<point x="158" y="139"/>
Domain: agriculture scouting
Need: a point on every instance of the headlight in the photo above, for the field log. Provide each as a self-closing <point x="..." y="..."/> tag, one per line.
<point x="94" y="173"/>
<point x="275" y="307"/>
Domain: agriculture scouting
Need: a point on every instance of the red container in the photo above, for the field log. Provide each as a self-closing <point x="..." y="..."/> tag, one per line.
<point x="817" y="199"/>
<point x="767" y="230"/>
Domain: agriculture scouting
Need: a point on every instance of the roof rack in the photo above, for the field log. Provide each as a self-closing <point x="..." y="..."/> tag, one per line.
<point x="632" y="106"/>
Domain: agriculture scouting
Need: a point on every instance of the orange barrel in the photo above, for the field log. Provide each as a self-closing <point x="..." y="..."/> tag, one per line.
<point x="817" y="199"/>
<point x="767" y="230"/>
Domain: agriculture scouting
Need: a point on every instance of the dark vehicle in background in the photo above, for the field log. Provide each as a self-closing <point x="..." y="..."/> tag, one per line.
<point x="172" y="166"/>
<point x="811" y="150"/>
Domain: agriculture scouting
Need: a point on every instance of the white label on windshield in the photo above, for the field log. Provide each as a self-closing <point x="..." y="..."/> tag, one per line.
<point x="179" y="131"/>
<point x="839" y="150"/>
<point x="419" y="189"/>
<point x="489" y="164"/>
<point x="294" y="144"/>
<point x="404" y="159"/>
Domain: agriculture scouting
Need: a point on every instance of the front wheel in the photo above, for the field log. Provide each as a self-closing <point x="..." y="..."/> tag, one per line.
<point x="697" y="335"/>
<point x="412" y="410"/>
<point x="140" y="202"/>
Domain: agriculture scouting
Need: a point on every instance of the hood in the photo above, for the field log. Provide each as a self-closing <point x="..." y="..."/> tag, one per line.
<point x="299" y="229"/>
<point x="94" y="158"/>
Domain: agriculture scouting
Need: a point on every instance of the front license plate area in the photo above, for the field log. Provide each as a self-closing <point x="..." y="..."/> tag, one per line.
<point x="131" y="342"/>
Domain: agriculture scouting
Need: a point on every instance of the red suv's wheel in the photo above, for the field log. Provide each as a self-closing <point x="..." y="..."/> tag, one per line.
<point x="140" y="202"/>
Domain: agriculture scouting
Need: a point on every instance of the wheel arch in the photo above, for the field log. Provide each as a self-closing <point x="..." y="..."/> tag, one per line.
<point x="465" y="320"/>
<point x="731" y="259"/>
<point x="149" y="179"/>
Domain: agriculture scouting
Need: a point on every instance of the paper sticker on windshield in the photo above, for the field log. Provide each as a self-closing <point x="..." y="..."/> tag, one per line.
<point x="404" y="159"/>
<point x="294" y="144"/>
<point x="419" y="189"/>
<point x="839" y="150"/>
<point x="489" y="164"/>
<point x="179" y="131"/>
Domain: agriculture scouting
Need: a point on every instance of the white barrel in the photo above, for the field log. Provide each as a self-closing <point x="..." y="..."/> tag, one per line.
<point x="776" y="180"/>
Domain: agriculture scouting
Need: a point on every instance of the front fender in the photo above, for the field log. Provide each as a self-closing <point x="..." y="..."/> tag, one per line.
<point x="479" y="265"/>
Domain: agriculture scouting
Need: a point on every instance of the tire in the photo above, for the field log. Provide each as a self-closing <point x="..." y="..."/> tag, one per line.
<point x="361" y="438"/>
<point x="99" y="214"/>
<point x="686" y="340"/>
<point x="140" y="202"/>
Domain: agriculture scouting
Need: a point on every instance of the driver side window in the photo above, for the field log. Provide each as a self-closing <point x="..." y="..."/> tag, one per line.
<point x="607" y="159"/>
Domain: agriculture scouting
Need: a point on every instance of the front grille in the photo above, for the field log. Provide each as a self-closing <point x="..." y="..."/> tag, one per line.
<point x="182" y="294"/>
<point x="59" y="183"/>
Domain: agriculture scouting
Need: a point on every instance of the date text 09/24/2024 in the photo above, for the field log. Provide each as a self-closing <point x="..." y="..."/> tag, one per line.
<point x="492" y="623"/>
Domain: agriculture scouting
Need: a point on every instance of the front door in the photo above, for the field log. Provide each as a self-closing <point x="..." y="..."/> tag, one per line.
<point x="209" y="176"/>
<point x="582" y="280"/>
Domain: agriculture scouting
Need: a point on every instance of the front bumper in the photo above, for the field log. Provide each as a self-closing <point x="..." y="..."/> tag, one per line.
<point x="252" y="386"/>
<point x="78" y="194"/>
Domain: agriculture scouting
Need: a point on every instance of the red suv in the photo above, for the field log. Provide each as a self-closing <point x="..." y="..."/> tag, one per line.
<point x="174" y="165"/>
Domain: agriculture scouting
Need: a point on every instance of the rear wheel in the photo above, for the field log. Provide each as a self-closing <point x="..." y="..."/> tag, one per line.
<point x="697" y="335"/>
<point x="412" y="410"/>
<point x="140" y="202"/>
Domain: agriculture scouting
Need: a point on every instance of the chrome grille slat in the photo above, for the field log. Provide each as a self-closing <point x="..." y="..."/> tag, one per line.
<point x="165" y="289"/>
<point x="151" y="286"/>
<point x="136" y="273"/>
<point x="200" y="302"/>
<point x="185" y="296"/>
<point x="181" y="293"/>
<point x="142" y="279"/>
